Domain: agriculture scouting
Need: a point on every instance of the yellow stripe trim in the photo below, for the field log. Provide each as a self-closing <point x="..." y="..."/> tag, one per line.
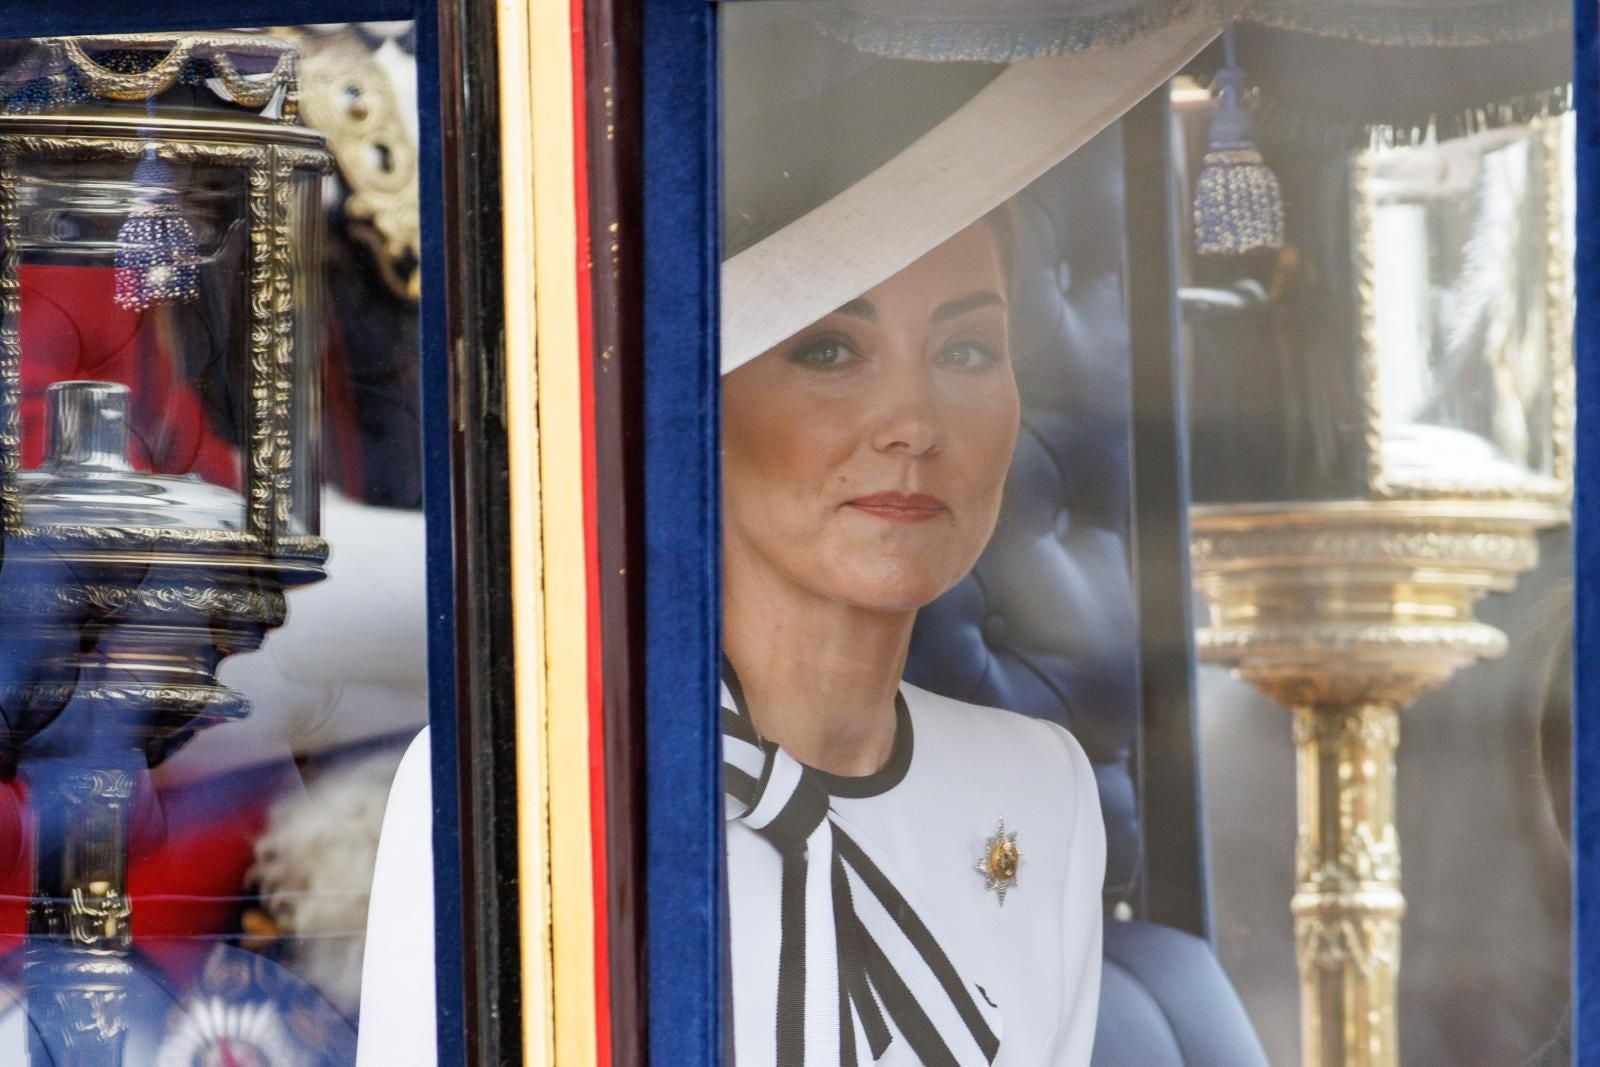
<point x="515" y="38"/>
<point x="571" y="884"/>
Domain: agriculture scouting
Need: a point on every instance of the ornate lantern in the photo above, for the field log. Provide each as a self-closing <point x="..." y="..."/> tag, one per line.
<point x="159" y="470"/>
<point x="1347" y="595"/>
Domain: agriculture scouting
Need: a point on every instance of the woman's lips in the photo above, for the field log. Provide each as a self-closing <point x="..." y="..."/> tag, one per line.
<point x="899" y="507"/>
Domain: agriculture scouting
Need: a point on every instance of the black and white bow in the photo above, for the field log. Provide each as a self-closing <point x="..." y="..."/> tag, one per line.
<point x="854" y="957"/>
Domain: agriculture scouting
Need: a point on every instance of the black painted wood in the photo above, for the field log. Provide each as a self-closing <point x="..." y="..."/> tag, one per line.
<point x="1176" y="878"/>
<point x="683" y="777"/>
<point x="611" y="83"/>
<point x="485" y="693"/>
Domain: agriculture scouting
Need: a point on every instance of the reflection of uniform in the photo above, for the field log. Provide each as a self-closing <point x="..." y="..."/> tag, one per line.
<point x="928" y="819"/>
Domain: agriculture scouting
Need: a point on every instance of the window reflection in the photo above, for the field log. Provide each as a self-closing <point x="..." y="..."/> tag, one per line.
<point x="1374" y="563"/>
<point x="1468" y="328"/>
<point x="211" y="599"/>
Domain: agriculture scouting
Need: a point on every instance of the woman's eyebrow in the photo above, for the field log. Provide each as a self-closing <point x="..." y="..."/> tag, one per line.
<point x="954" y="309"/>
<point x="860" y="308"/>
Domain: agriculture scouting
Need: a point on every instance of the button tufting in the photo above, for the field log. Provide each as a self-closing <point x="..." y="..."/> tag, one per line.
<point x="981" y="639"/>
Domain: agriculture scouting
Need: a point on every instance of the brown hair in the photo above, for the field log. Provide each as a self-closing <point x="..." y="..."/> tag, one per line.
<point x="1003" y="224"/>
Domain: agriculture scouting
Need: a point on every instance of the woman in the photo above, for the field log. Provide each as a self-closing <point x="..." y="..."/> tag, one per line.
<point x="911" y="879"/>
<point x="864" y="463"/>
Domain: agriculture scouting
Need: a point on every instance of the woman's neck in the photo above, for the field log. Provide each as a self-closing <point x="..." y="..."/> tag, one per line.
<point x="820" y="676"/>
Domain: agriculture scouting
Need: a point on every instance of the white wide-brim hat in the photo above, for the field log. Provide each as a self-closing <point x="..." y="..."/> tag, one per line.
<point x="1023" y="118"/>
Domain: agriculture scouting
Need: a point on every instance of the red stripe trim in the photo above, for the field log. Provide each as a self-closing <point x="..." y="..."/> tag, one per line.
<point x="591" y="557"/>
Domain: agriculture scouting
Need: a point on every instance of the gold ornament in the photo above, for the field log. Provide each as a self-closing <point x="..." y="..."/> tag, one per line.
<point x="1001" y="859"/>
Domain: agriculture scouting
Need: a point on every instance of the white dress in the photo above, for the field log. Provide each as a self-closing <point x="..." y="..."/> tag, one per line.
<point x="926" y="819"/>
<point x="398" y="1012"/>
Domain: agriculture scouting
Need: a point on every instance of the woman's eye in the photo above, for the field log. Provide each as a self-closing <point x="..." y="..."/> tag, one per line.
<point x="966" y="355"/>
<point x="823" y="353"/>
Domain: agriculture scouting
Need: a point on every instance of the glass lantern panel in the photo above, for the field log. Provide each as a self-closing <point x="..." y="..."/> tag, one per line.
<point x="170" y="337"/>
<point x="1461" y="238"/>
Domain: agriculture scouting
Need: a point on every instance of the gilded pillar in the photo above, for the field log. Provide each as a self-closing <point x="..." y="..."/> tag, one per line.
<point x="1345" y="614"/>
<point x="1347" y="902"/>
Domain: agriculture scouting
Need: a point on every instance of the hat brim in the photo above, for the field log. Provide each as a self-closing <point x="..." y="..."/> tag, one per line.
<point x="1028" y="119"/>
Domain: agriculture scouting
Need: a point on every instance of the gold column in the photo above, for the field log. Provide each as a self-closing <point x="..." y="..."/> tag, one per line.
<point x="1347" y="902"/>
<point x="1346" y="613"/>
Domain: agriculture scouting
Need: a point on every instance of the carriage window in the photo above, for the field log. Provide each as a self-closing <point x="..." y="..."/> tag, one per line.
<point x="1146" y="478"/>
<point x="210" y="494"/>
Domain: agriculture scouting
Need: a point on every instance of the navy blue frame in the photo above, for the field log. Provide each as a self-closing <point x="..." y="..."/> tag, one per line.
<point x="29" y="18"/>
<point x="1586" y="546"/>
<point x="1175" y="884"/>
<point x="682" y="588"/>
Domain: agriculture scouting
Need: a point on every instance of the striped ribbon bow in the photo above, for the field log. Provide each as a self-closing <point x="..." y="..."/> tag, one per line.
<point x="852" y="949"/>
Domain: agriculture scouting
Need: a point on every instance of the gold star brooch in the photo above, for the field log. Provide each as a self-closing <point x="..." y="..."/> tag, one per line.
<point x="1000" y="861"/>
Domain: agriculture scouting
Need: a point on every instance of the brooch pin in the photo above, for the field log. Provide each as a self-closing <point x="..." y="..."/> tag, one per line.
<point x="1000" y="861"/>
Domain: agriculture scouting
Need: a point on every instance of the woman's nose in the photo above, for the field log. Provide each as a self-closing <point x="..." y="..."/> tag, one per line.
<point x="907" y="419"/>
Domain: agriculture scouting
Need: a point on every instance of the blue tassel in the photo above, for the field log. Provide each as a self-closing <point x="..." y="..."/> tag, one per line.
<point x="1238" y="205"/>
<point x="157" y="258"/>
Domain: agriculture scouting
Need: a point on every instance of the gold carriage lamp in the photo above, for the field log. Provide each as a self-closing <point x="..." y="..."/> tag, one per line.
<point x="160" y="318"/>
<point x="1349" y="607"/>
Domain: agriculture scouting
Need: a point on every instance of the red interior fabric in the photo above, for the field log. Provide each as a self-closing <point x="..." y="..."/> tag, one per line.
<point x="70" y="327"/>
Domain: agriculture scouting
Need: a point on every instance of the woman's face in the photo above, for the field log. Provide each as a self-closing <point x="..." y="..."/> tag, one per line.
<point x="864" y="458"/>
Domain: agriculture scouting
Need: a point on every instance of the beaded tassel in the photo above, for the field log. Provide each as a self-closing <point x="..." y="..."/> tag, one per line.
<point x="1238" y="206"/>
<point x="156" y="254"/>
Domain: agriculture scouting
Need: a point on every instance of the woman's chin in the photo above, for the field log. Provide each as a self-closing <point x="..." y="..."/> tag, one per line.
<point x="897" y="591"/>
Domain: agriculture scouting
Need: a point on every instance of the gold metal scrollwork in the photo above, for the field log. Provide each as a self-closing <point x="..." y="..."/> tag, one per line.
<point x="207" y="700"/>
<point x="97" y="914"/>
<point x="264" y="386"/>
<point x="265" y="606"/>
<point x="10" y="344"/>
<point x="163" y="606"/>
<point x="282" y="375"/>
<point x="249" y="91"/>
<point x="1368" y="945"/>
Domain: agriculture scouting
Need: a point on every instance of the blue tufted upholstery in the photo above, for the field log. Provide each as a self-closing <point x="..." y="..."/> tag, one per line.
<point x="1164" y="1000"/>
<point x="1046" y="624"/>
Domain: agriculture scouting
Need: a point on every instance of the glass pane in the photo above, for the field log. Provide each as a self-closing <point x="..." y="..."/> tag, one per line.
<point x="212" y="651"/>
<point x="170" y="337"/>
<point x="1146" y="500"/>
<point x="1461" y="235"/>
